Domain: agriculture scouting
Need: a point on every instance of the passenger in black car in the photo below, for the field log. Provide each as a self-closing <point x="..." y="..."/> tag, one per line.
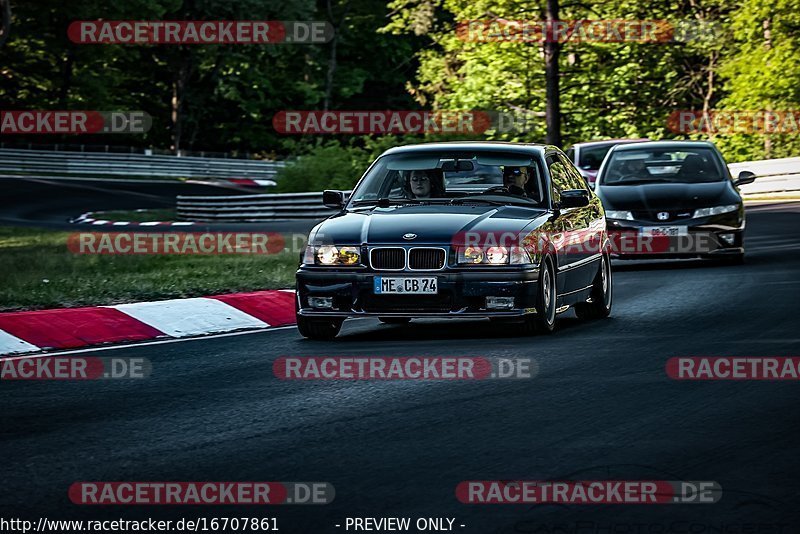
<point x="423" y="184"/>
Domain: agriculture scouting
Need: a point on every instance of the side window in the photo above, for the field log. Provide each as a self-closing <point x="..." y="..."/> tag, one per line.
<point x="574" y="177"/>
<point x="534" y="186"/>
<point x="558" y="175"/>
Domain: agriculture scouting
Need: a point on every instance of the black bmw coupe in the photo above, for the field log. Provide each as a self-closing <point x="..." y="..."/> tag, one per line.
<point x="469" y="229"/>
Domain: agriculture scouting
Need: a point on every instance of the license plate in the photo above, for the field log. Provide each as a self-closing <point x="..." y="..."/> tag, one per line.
<point x="405" y="286"/>
<point x="669" y="231"/>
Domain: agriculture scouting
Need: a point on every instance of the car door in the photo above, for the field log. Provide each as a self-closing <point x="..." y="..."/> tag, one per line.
<point x="564" y="224"/>
<point x="587" y="232"/>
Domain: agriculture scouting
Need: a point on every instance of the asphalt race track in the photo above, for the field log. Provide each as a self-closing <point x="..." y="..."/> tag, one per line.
<point x="601" y="407"/>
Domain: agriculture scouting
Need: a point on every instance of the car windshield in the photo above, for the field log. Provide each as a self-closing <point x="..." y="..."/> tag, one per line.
<point x="452" y="178"/>
<point x="591" y="157"/>
<point x="648" y="165"/>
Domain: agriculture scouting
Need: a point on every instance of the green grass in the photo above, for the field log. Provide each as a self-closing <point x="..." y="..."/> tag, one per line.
<point x="39" y="272"/>
<point x="137" y="215"/>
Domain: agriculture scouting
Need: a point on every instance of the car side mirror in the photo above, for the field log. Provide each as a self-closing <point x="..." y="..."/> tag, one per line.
<point x="333" y="199"/>
<point x="744" y="178"/>
<point x="574" y="198"/>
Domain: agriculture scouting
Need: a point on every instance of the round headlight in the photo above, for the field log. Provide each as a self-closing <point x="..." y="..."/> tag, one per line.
<point x="327" y="254"/>
<point x="349" y="255"/>
<point x="473" y="255"/>
<point x="497" y="255"/>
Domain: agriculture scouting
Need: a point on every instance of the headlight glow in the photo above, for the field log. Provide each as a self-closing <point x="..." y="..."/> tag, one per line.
<point x="471" y="255"/>
<point x="497" y="255"/>
<point x="332" y="255"/>
<point x="622" y="215"/>
<point x="715" y="210"/>
<point x="349" y="255"/>
<point x="327" y="254"/>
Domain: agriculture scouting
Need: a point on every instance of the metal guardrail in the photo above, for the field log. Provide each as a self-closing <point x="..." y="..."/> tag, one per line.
<point x="252" y="208"/>
<point x="88" y="164"/>
<point x="774" y="175"/>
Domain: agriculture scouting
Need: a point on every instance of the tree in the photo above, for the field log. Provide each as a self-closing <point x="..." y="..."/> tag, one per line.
<point x="763" y="73"/>
<point x="5" y="20"/>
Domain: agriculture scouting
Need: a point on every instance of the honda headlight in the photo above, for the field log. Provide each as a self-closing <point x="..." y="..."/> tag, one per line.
<point x="473" y="255"/>
<point x="621" y="215"/>
<point x="715" y="210"/>
<point x="331" y="255"/>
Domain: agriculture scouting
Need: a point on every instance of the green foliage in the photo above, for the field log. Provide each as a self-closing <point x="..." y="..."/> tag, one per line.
<point x="613" y="89"/>
<point x="405" y="55"/>
<point x="327" y="166"/>
<point x="40" y="272"/>
<point x="334" y="165"/>
<point x="763" y="74"/>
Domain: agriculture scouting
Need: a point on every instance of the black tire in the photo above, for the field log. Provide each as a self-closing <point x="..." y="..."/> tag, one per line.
<point x="602" y="294"/>
<point x="395" y="320"/>
<point x="322" y="329"/>
<point x="544" y="322"/>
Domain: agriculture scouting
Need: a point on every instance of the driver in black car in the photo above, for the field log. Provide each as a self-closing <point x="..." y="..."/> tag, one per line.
<point x="515" y="178"/>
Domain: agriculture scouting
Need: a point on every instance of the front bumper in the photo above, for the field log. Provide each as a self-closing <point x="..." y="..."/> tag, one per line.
<point x="704" y="237"/>
<point x="460" y="293"/>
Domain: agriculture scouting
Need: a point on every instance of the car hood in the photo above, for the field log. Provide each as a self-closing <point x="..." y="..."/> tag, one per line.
<point x="661" y="196"/>
<point x="432" y="224"/>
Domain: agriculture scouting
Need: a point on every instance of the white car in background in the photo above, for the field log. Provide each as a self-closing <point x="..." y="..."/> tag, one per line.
<point x="588" y="156"/>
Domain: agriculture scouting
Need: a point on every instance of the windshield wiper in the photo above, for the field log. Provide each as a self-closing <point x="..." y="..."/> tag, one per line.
<point x="640" y="181"/>
<point x="475" y="197"/>
<point x="464" y="200"/>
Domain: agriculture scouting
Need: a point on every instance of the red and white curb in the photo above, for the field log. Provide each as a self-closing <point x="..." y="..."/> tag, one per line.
<point x="90" y="218"/>
<point x="251" y="182"/>
<point x="69" y="328"/>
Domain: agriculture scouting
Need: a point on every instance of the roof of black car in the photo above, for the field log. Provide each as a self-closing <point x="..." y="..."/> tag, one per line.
<point x="663" y="145"/>
<point x="602" y="142"/>
<point x="466" y="146"/>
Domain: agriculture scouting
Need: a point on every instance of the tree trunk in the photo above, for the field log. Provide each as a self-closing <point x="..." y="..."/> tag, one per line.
<point x="707" y="98"/>
<point x="552" y="50"/>
<point x="5" y="20"/>
<point x="183" y="73"/>
<point x="767" y="45"/>
<point x="331" y="71"/>
<point x="337" y="29"/>
<point x="176" y="116"/>
<point x="68" y="63"/>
